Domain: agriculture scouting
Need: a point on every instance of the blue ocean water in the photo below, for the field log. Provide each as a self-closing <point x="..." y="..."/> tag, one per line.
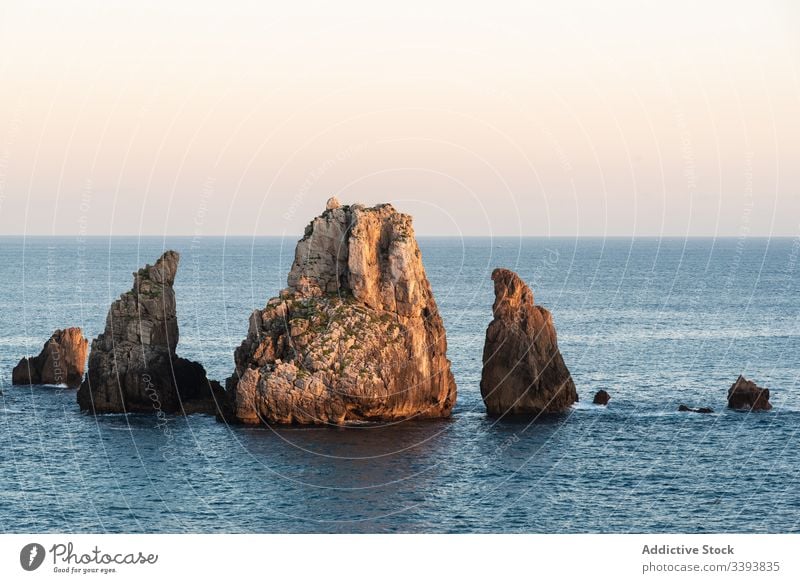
<point x="655" y="322"/>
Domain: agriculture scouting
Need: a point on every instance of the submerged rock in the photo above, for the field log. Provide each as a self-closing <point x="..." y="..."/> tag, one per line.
<point x="356" y="335"/>
<point x="523" y="371"/>
<point x="601" y="397"/>
<point x="687" y="409"/>
<point x="61" y="361"/>
<point x="133" y="366"/>
<point x="747" y="396"/>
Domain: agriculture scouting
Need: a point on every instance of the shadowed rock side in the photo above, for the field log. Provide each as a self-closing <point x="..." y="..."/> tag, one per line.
<point x="356" y="335"/>
<point x="601" y="397"/>
<point x="133" y="366"/>
<point x="61" y="361"/>
<point x="747" y="396"/>
<point x="523" y="371"/>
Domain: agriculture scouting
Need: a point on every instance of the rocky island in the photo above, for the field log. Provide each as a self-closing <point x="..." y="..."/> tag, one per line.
<point x="523" y="371"/>
<point x="601" y="397"/>
<point x="745" y="395"/>
<point x="133" y="366"/>
<point x="356" y="335"/>
<point x="61" y="361"/>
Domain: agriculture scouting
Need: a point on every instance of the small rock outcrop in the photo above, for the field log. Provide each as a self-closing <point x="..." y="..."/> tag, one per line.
<point x="601" y="397"/>
<point x="745" y="395"/>
<point x="61" y="361"/>
<point x="687" y="409"/>
<point x="133" y="366"/>
<point x="356" y="335"/>
<point x="523" y="371"/>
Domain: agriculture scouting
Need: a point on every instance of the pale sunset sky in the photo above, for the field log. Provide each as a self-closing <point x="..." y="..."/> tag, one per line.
<point x="479" y="118"/>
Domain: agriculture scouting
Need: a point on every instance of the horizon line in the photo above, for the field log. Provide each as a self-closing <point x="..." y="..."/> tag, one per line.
<point x="418" y="236"/>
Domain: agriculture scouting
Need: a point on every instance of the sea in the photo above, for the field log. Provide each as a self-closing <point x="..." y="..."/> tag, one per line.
<point x="657" y="322"/>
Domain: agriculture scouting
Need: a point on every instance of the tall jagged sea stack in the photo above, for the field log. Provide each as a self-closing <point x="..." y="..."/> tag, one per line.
<point x="356" y="335"/>
<point x="523" y="371"/>
<point x="133" y="366"/>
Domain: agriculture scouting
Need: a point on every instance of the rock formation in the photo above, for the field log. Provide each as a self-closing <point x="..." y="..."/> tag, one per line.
<point x="523" y="371"/>
<point x="747" y="396"/>
<point x="601" y="397"/>
<point x="61" y="361"/>
<point x="687" y="409"/>
<point x="356" y="335"/>
<point x="133" y="366"/>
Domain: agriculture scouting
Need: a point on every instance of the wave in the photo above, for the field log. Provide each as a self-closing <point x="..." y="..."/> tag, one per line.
<point x="112" y="415"/>
<point x="588" y="406"/>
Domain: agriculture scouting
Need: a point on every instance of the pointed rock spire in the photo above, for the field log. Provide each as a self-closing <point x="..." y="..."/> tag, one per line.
<point x="523" y="371"/>
<point x="133" y="366"/>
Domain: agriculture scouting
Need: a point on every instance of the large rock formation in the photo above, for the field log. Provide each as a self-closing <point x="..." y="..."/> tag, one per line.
<point x="61" y="361"/>
<point x="747" y="396"/>
<point x="356" y="335"/>
<point x="523" y="371"/>
<point x="133" y="366"/>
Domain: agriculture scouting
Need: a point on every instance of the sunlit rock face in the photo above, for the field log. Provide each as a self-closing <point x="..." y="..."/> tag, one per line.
<point x="355" y="336"/>
<point x="61" y="361"/>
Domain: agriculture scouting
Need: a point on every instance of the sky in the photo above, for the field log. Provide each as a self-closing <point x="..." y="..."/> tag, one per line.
<point x="495" y="118"/>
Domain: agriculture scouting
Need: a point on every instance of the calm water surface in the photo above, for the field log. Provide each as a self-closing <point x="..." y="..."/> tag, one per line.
<point x="655" y="322"/>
